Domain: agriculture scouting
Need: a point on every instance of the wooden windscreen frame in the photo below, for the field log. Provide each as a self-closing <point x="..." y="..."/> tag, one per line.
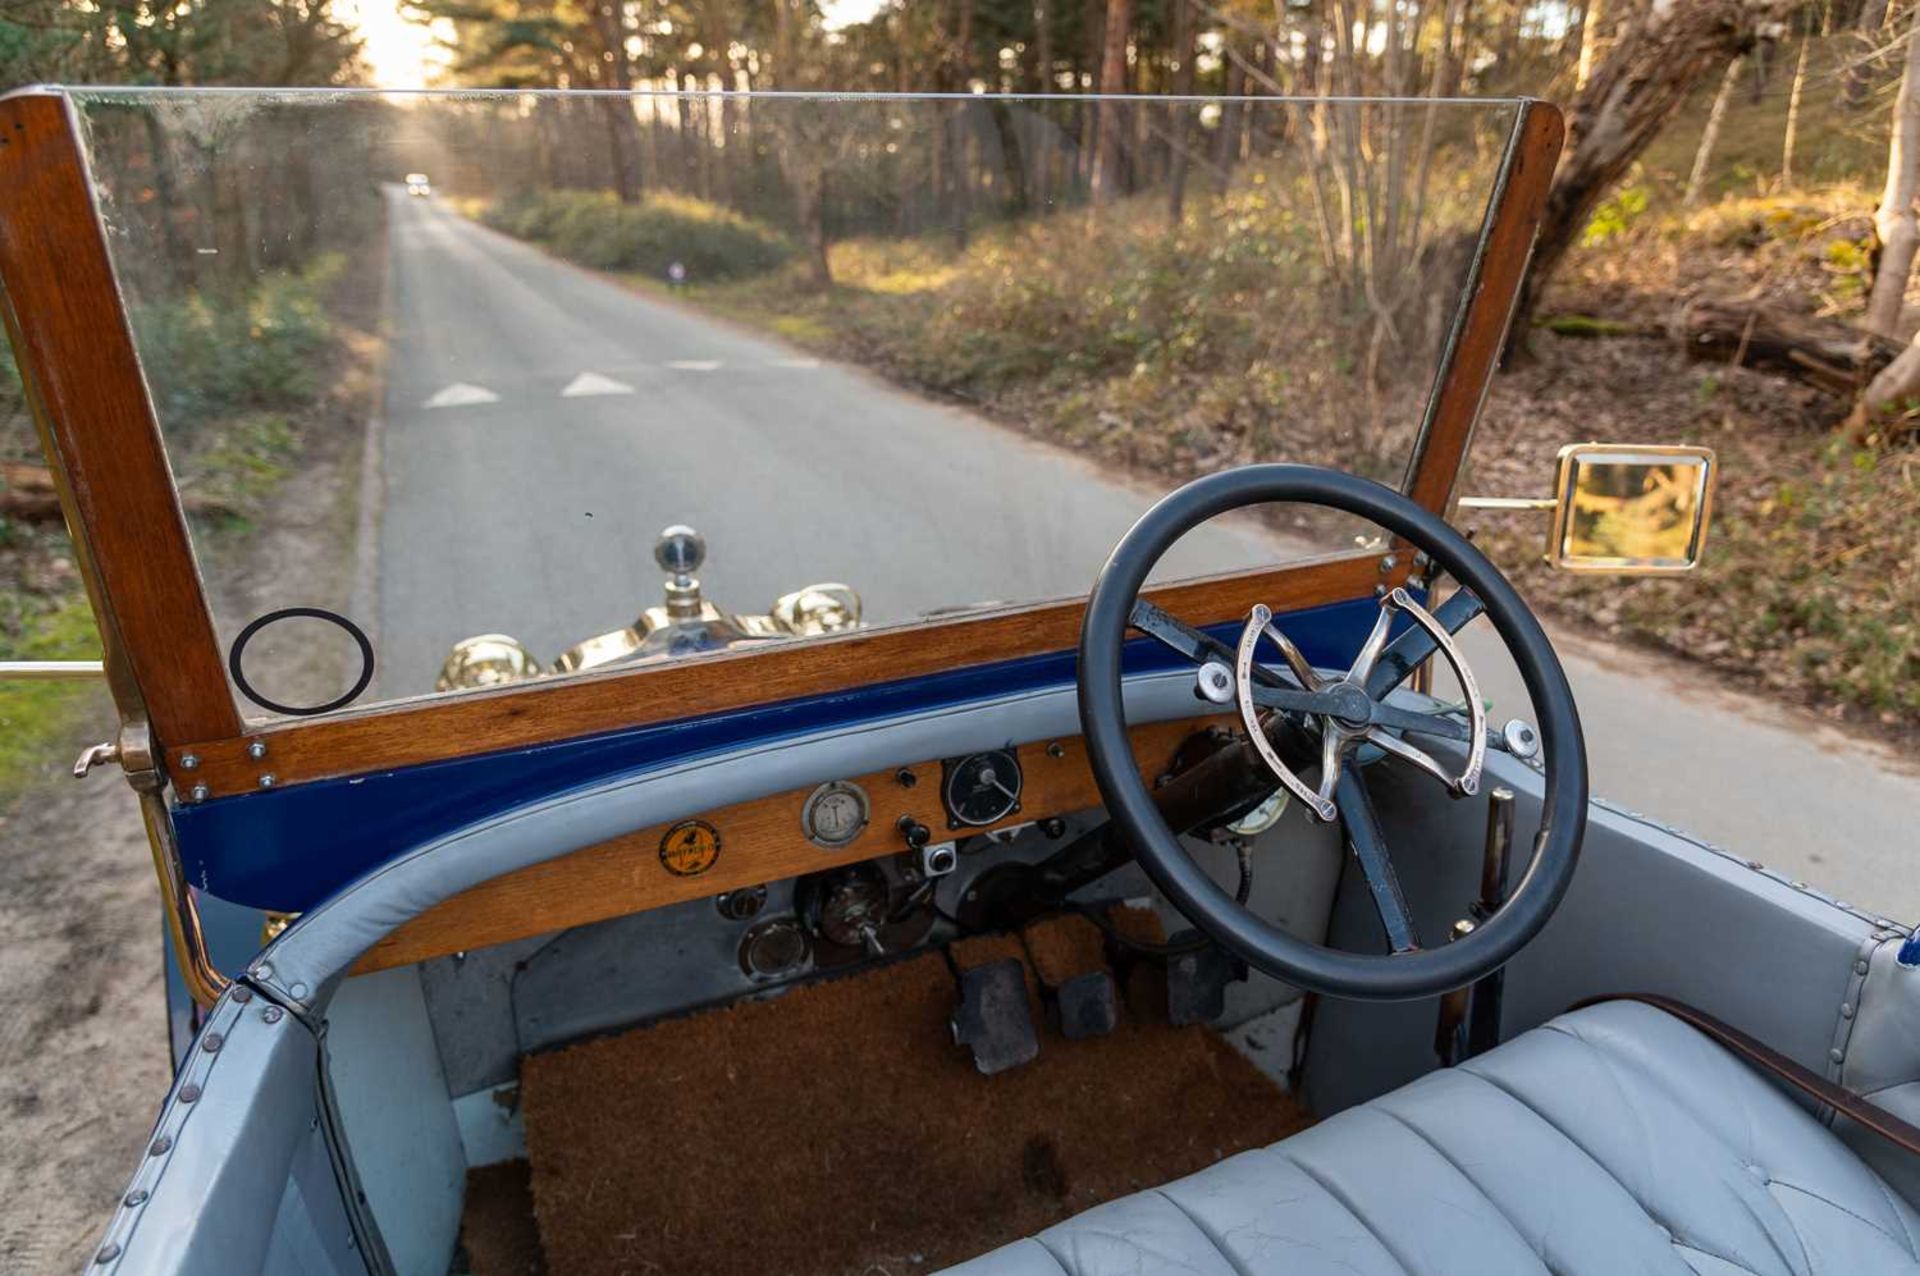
<point x="77" y="358"/>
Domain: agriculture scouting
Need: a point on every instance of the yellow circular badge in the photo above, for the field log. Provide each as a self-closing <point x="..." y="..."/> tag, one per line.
<point x="690" y="848"/>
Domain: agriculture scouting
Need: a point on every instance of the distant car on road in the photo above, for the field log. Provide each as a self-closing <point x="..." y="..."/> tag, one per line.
<point x="418" y="185"/>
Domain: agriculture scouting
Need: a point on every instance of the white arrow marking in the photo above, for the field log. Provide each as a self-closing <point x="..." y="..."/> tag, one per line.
<point x="592" y="383"/>
<point x="460" y="394"/>
<point x="796" y="363"/>
<point x="695" y="365"/>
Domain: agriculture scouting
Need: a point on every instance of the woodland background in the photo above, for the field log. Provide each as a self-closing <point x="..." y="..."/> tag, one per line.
<point x="1726" y="260"/>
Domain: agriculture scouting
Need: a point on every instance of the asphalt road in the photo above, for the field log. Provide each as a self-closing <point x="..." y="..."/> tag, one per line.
<point x="542" y="425"/>
<point x="534" y="512"/>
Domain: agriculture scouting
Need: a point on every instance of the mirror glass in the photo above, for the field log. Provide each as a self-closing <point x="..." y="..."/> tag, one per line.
<point x="1632" y="509"/>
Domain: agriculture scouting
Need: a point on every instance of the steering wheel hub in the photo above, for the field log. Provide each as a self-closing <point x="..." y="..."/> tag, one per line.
<point x="1349" y="706"/>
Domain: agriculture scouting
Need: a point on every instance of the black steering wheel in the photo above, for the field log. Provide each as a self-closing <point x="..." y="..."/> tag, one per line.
<point x="1334" y="714"/>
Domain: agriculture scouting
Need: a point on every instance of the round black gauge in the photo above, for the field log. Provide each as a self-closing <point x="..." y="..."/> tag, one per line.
<point x="982" y="788"/>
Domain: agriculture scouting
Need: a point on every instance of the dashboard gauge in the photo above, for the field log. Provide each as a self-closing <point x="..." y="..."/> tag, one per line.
<point x="774" y="948"/>
<point x="981" y="788"/>
<point x="1262" y="817"/>
<point x="835" y="814"/>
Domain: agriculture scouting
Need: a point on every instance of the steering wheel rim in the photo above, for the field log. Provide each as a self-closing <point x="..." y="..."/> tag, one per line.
<point x="1402" y="976"/>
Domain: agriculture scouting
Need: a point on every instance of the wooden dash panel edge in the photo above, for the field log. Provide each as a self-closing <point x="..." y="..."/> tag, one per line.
<point x="760" y="841"/>
<point x="466" y="724"/>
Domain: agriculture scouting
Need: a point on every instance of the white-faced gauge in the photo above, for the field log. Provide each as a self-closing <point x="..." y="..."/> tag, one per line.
<point x="1262" y="817"/>
<point x="835" y="814"/>
<point x="981" y="788"/>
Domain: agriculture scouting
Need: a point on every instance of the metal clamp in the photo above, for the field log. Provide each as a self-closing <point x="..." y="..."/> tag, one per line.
<point x="132" y="748"/>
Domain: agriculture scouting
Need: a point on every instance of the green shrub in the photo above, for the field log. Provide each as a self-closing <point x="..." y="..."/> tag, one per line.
<point x="212" y="354"/>
<point x="595" y="229"/>
<point x="238" y="463"/>
<point x="1615" y="216"/>
<point x="35" y="715"/>
<point x="1170" y="349"/>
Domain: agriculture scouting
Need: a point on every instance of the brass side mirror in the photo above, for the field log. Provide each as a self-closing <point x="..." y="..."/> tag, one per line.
<point x="1624" y="509"/>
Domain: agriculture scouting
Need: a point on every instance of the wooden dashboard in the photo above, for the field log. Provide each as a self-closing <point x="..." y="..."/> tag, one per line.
<point x="743" y="845"/>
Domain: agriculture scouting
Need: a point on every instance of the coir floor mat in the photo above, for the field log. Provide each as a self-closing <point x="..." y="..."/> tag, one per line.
<point x="498" y="1236"/>
<point x="838" y="1131"/>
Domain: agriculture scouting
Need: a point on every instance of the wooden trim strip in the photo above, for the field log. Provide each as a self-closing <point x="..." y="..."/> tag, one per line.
<point x="1498" y="271"/>
<point x="77" y="359"/>
<point x="760" y="841"/>
<point x="460" y="725"/>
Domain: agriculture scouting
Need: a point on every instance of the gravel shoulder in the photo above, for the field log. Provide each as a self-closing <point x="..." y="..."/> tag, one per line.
<point x="83" y="1039"/>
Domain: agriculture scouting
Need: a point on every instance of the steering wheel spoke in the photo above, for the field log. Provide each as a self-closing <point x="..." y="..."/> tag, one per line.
<point x="1177" y="635"/>
<point x="1468" y="782"/>
<point x="1409" y="753"/>
<point x="1202" y="648"/>
<point x="1293" y="700"/>
<point x="1260" y="622"/>
<point x="1376" y="642"/>
<point x="1415" y="646"/>
<point x="1442" y="726"/>
<point x="1376" y="865"/>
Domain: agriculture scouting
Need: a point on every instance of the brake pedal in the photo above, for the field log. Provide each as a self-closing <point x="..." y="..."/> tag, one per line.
<point x="994" y="1018"/>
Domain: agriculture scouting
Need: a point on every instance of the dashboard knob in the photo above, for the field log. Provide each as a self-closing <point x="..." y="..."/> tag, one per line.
<point x="916" y="833"/>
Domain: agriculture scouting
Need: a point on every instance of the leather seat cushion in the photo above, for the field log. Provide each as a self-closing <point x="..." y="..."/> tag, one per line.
<point x="1614" y="1139"/>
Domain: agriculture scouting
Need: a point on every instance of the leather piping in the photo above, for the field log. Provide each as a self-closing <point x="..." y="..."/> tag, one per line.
<point x="1770" y="1061"/>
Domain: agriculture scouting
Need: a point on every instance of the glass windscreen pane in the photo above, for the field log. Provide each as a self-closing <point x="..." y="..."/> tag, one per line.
<point x="446" y="365"/>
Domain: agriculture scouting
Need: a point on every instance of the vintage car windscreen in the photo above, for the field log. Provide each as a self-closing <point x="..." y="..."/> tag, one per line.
<point x="445" y="365"/>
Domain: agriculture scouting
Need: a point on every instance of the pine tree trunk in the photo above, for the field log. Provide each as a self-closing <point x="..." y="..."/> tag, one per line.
<point x="1182" y="113"/>
<point x="959" y="194"/>
<point x="1703" y="156"/>
<point x="1873" y="18"/>
<point x="1227" y="133"/>
<point x="1793" y="112"/>
<point x="1113" y="78"/>
<point x="1042" y="151"/>
<point x="1043" y="45"/>
<point x="1894" y="219"/>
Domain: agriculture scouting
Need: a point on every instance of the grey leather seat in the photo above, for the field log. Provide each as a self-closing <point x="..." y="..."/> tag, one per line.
<point x="1615" y="1139"/>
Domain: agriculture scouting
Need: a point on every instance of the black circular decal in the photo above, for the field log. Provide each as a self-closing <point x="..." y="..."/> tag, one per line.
<point x="313" y="613"/>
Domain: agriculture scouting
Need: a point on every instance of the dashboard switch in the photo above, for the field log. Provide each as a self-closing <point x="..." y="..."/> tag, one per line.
<point x="937" y="860"/>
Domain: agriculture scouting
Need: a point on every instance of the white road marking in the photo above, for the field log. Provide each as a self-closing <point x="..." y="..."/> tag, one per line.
<point x="460" y="394"/>
<point x="695" y="365"/>
<point x="796" y="363"/>
<point x="592" y="383"/>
